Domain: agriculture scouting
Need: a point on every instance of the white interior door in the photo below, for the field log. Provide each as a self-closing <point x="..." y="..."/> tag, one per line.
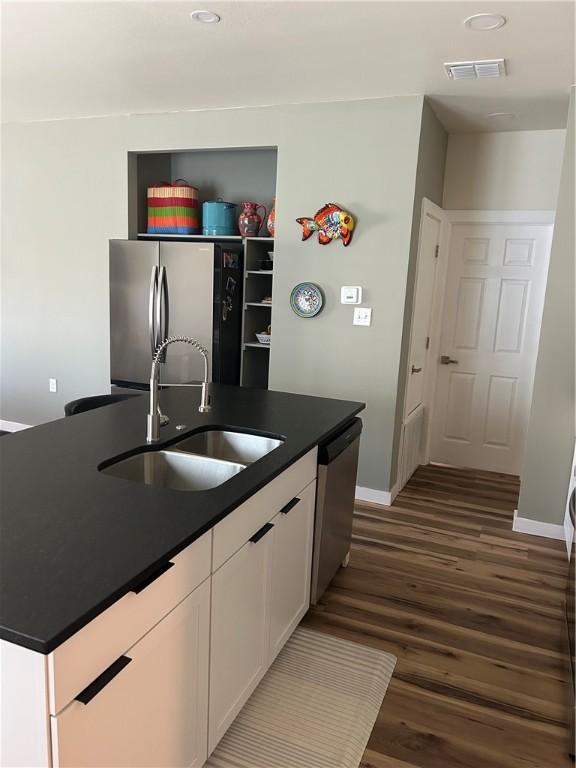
<point x="490" y="329"/>
<point x="422" y="312"/>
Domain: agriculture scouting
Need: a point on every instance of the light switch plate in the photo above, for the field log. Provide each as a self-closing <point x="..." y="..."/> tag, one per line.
<point x="53" y="385"/>
<point x="351" y="294"/>
<point x="362" y="316"/>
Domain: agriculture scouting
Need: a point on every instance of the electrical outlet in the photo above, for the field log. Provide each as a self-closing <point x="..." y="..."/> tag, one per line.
<point x="362" y="316"/>
<point x="53" y="385"/>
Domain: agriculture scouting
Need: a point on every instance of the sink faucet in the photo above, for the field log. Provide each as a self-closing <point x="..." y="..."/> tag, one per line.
<point x="154" y="416"/>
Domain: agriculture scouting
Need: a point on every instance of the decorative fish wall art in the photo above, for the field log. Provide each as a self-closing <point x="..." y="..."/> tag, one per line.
<point x="331" y="222"/>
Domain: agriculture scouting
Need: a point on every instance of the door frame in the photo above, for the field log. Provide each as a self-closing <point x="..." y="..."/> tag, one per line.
<point x="535" y="218"/>
<point x="433" y="210"/>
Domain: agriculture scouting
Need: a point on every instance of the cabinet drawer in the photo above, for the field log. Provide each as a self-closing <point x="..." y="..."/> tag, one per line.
<point x="152" y="708"/>
<point x="82" y="658"/>
<point x="235" y="530"/>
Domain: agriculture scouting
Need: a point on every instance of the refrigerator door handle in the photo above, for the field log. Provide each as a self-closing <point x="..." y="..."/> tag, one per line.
<point x="152" y="303"/>
<point x="162" y="311"/>
<point x="165" y="300"/>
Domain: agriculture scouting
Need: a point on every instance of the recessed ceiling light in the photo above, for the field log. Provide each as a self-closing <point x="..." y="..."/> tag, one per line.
<point x="205" y="17"/>
<point x="501" y="115"/>
<point x="485" y="22"/>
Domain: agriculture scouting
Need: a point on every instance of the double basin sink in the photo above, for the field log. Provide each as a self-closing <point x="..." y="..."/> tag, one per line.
<point x="196" y="463"/>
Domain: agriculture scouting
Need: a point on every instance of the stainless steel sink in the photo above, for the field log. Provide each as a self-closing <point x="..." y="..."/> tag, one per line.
<point x="228" y="446"/>
<point x="174" y="469"/>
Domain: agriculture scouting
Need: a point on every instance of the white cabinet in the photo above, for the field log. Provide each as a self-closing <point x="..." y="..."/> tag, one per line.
<point x="234" y="531"/>
<point x="239" y="638"/>
<point x="78" y="661"/>
<point x="153" y="712"/>
<point x="157" y="678"/>
<point x="258" y="597"/>
<point x="291" y="561"/>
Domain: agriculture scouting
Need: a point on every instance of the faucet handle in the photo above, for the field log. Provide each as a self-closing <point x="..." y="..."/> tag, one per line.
<point x="205" y="406"/>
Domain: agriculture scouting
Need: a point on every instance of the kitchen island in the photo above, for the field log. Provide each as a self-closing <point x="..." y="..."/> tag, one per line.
<point x="136" y="620"/>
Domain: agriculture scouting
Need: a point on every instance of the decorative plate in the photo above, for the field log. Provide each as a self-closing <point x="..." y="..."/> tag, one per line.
<point x="306" y="299"/>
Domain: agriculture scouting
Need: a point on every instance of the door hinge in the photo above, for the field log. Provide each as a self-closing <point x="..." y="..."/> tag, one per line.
<point x="427" y="342"/>
<point x="436" y="251"/>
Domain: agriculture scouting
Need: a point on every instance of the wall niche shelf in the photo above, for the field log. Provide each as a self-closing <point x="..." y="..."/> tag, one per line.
<point x="192" y="238"/>
<point x="257" y="313"/>
<point x="228" y="238"/>
<point x="236" y="175"/>
<point x="257" y="345"/>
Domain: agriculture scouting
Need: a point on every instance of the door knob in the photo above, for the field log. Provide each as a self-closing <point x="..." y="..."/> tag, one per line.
<point x="416" y="370"/>
<point x="447" y="360"/>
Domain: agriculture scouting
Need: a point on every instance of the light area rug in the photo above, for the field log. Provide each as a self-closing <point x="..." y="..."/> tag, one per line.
<point x="315" y="707"/>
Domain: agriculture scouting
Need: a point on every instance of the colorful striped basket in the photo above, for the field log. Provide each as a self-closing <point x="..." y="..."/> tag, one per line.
<point x="173" y="209"/>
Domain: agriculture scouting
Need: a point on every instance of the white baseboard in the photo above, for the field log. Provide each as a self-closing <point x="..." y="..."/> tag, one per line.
<point x="568" y="535"/>
<point x="374" y="496"/>
<point x="537" y="528"/>
<point x="13" y="426"/>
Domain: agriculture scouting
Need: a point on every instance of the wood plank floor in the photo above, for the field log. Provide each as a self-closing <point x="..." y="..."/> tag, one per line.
<point x="474" y="613"/>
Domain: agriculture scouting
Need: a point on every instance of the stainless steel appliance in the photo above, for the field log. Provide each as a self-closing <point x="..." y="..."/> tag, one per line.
<point x="163" y="288"/>
<point x="335" y="493"/>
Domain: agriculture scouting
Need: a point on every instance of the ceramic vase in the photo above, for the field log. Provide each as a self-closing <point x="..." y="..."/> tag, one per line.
<point x="271" y="223"/>
<point x="250" y="221"/>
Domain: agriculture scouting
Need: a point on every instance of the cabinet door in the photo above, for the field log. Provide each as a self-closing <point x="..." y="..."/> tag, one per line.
<point x="153" y="712"/>
<point x="291" y="567"/>
<point x="186" y="307"/>
<point x="133" y="294"/>
<point x="240" y="629"/>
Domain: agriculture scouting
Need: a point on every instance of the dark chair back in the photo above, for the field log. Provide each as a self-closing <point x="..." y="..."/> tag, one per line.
<point x="89" y="403"/>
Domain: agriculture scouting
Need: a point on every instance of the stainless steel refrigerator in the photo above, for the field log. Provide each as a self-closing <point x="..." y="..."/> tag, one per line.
<point x="161" y="288"/>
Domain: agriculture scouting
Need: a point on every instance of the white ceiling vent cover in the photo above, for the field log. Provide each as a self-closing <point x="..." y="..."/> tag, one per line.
<point x="474" y="70"/>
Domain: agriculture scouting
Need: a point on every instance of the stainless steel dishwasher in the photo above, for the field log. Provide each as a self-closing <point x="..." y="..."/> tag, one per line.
<point x="335" y="493"/>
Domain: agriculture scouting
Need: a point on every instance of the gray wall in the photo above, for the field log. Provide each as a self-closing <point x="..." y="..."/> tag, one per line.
<point x="429" y="183"/>
<point x="550" y="442"/>
<point x="65" y="194"/>
<point x="363" y="157"/>
<point x="233" y="175"/>
<point x="512" y="170"/>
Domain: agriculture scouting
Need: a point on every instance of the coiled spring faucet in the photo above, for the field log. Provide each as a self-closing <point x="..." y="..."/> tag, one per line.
<point x="154" y="416"/>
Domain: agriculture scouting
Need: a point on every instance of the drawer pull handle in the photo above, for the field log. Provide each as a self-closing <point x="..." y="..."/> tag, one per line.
<point x="261" y="533"/>
<point x="289" y="506"/>
<point x="102" y="680"/>
<point x="152" y="577"/>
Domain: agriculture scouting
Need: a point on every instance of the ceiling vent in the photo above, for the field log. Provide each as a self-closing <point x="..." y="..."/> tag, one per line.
<point x="474" y="70"/>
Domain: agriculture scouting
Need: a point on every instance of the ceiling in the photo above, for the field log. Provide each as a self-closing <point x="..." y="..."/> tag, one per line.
<point x="81" y="58"/>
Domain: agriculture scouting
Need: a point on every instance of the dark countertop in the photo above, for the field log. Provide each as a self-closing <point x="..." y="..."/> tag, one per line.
<point x="74" y="540"/>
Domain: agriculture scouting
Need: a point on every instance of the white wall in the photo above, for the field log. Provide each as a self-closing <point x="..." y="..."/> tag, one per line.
<point x="67" y="184"/>
<point x="515" y="170"/>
